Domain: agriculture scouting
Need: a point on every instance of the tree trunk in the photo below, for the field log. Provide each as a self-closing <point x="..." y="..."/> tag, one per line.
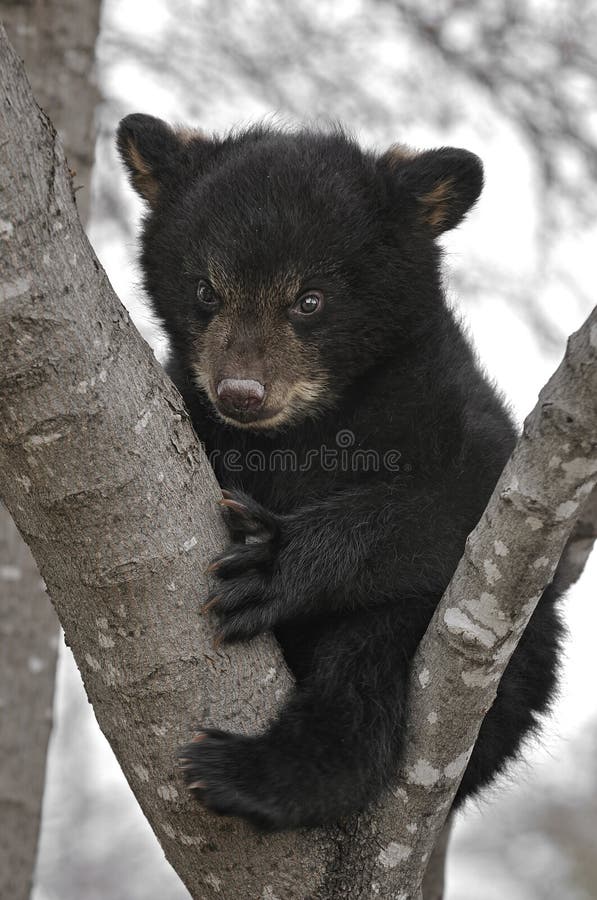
<point x="57" y="41"/>
<point x="29" y="636"/>
<point x="107" y="482"/>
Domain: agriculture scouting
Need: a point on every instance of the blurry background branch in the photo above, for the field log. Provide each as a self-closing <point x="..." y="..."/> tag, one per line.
<point x="526" y="69"/>
<point x="29" y="636"/>
<point x="57" y="40"/>
<point x="536" y="64"/>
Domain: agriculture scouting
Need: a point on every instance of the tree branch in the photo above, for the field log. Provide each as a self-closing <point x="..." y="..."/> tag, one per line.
<point x="106" y="480"/>
<point x="509" y="558"/>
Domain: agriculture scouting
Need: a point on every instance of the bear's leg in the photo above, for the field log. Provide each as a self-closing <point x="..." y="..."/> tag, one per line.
<point x="331" y="751"/>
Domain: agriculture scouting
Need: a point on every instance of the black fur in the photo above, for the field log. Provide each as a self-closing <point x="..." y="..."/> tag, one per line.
<point x="345" y="565"/>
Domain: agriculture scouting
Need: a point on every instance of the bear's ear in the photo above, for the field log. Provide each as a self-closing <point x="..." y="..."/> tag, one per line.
<point x="157" y="155"/>
<point x="444" y="183"/>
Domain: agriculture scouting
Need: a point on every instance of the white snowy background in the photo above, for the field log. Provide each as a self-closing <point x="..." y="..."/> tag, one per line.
<point x="520" y="271"/>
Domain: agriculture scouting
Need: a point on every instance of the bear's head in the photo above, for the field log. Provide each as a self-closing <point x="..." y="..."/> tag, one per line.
<point x="286" y="264"/>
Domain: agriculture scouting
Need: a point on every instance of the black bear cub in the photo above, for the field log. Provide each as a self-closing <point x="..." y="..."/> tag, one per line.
<point x="356" y="440"/>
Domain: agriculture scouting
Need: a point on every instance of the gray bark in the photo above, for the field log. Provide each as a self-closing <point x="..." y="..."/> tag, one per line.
<point x="56" y="40"/>
<point x="107" y="482"/>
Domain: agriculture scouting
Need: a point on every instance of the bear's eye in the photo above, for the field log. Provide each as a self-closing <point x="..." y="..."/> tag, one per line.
<point x="309" y="303"/>
<point x="206" y="295"/>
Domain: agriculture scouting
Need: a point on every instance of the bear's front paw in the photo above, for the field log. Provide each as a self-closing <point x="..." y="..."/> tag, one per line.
<point x="221" y="771"/>
<point x="244" y="606"/>
<point x="245" y="518"/>
<point x="243" y="600"/>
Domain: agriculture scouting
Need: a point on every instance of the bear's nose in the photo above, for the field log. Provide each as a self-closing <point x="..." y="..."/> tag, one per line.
<point x="240" y="394"/>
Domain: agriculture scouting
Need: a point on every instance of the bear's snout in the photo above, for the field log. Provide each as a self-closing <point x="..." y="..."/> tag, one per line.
<point x="243" y="396"/>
